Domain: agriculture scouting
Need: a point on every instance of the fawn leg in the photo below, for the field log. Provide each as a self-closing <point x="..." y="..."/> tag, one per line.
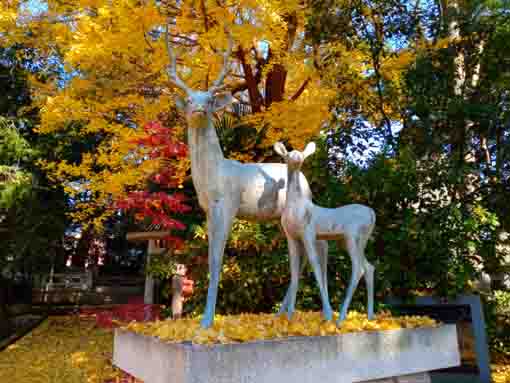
<point x="284" y="307"/>
<point x="309" y="242"/>
<point x="369" y="280"/>
<point x="294" y="275"/>
<point x="356" y="274"/>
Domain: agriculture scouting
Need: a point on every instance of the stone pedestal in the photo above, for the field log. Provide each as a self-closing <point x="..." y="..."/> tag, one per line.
<point x="413" y="378"/>
<point x="395" y="356"/>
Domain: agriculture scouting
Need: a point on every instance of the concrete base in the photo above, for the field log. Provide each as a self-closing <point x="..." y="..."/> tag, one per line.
<point x="414" y="378"/>
<point x="396" y="356"/>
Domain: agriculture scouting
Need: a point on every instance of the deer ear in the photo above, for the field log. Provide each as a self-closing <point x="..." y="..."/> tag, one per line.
<point x="180" y="102"/>
<point x="280" y="149"/>
<point x="221" y="100"/>
<point x="309" y="150"/>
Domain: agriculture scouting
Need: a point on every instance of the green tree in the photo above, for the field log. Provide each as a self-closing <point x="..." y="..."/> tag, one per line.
<point x="32" y="214"/>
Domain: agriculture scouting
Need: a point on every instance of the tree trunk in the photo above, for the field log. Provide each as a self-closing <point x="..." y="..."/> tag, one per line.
<point x="82" y="249"/>
<point x="4" y="316"/>
<point x="275" y="84"/>
<point x="499" y="160"/>
<point x="252" y="83"/>
<point x="486" y="157"/>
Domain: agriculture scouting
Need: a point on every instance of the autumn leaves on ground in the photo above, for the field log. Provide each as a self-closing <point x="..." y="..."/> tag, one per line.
<point x="73" y="349"/>
<point x="253" y="327"/>
<point x="61" y="350"/>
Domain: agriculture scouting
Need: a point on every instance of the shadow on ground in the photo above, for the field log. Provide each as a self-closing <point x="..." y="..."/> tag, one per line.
<point x="438" y="377"/>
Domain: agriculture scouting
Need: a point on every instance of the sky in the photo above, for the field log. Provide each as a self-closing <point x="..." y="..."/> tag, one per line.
<point x="35" y="6"/>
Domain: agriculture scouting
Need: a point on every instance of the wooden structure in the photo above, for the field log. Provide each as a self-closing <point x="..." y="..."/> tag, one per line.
<point x="154" y="235"/>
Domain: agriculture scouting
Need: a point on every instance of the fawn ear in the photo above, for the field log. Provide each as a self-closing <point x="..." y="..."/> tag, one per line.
<point x="221" y="100"/>
<point x="309" y="150"/>
<point x="280" y="149"/>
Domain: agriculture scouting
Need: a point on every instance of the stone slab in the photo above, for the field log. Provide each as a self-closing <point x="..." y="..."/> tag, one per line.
<point x="346" y="358"/>
<point x="422" y="377"/>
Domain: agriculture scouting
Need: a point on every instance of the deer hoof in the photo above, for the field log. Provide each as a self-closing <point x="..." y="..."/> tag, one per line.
<point x="206" y="322"/>
<point x="328" y="315"/>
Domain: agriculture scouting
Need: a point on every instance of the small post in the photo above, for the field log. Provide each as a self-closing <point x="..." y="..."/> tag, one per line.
<point x="177" y="291"/>
<point x="148" y="297"/>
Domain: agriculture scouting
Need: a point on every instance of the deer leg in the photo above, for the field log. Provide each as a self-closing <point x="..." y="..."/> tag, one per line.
<point x="219" y="223"/>
<point x="356" y="275"/>
<point x="322" y="251"/>
<point x="309" y="241"/>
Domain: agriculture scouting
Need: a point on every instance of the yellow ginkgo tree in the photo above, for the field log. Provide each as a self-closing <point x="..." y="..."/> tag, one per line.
<point x="111" y="78"/>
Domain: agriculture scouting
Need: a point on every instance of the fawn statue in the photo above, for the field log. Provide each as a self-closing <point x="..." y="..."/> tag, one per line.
<point x="305" y="222"/>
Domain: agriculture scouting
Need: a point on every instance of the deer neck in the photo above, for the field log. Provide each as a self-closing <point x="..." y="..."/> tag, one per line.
<point x="294" y="190"/>
<point x="205" y="151"/>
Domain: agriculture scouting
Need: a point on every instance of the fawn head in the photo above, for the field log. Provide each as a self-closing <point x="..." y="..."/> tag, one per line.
<point x="295" y="158"/>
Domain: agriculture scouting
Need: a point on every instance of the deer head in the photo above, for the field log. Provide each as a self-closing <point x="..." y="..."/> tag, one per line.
<point x="203" y="103"/>
<point x="295" y="158"/>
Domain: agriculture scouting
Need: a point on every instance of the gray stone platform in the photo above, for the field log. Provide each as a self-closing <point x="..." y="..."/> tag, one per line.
<point x="395" y="356"/>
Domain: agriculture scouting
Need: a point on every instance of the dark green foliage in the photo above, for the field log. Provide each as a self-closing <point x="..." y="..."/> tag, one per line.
<point x="425" y="242"/>
<point x="13" y="78"/>
<point x="32" y="213"/>
<point x="441" y="188"/>
<point x="497" y="311"/>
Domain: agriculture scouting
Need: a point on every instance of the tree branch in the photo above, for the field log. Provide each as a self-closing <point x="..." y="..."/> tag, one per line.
<point x="251" y="82"/>
<point x="300" y="90"/>
<point x="275" y="82"/>
<point x="204" y="12"/>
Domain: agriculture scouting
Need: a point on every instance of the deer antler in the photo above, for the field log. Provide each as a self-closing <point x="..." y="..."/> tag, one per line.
<point x="172" y="68"/>
<point x="224" y="70"/>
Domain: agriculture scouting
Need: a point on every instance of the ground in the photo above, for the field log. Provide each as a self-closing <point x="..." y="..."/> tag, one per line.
<point x="68" y="349"/>
<point x="73" y="349"/>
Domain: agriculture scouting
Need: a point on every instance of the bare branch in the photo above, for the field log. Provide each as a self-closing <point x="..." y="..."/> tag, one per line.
<point x="224" y="69"/>
<point x="191" y="42"/>
<point x="300" y="90"/>
<point x="204" y="12"/>
<point x="234" y="87"/>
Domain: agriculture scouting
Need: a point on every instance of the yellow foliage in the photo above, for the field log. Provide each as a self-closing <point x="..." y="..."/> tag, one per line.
<point x="253" y="327"/>
<point x="501" y="369"/>
<point x="61" y="350"/>
<point x="115" y="55"/>
<point x="8" y="16"/>
<point x="241" y="157"/>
